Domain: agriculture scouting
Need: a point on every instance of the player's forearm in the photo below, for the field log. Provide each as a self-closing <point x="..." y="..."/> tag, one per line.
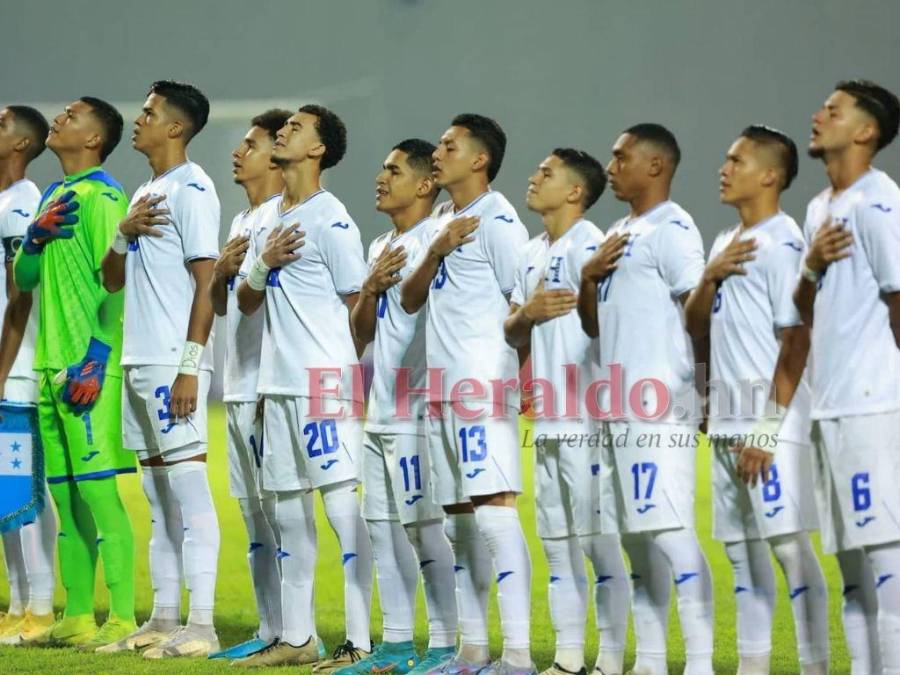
<point x="109" y="318"/>
<point x="517" y="328"/>
<point x="587" y="307"/>
<point x="893" y="301"/>
<point x="698" y="308"/>
<point x="249" y="299"/>
<point x="790" y="365"/>
<point x="202" y="314"/>
<point x="15" y="319"/>
<point x="364" y="316"/>
<point x="804" y="299"/>
<point x="27" y="270"/>
<point x="113" y="271"/>
<point x="414" y="291"/>
<point x="218" y="294"/>
<point x="351" y="300"/>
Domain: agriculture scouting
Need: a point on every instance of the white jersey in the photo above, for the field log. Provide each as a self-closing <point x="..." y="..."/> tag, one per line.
<point x="18" y="207"/>
<point x="855" y="361"/>
<point x="159" y="287"/>
<point x="640" y="315"/>
<point x="399" y="342"/>
<point x="243" y="334"/>
<point x="747" y="314"/>
<point x="307" y="324"/>
<point x="561" y="354"/>
<point x="467" y="303"/>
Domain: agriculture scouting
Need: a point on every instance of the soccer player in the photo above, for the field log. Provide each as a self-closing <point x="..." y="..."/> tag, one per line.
<point x="262" y="181"/>
<point x="649" y="451"/>
<point x="311" y="426"/>
<point x="163" y="254"/>
<point x="80" y="334"/>
<point x="403" y="520"/>
<point x="27" y="550"/>
<point x="542" y="317"/>
<point x="850" y="284"/>
<point x="759" y="347"/>
<point x="466" y="274"/>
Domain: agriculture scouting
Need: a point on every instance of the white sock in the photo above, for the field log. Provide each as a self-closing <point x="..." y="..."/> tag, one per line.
<point x="808" y="593"/>
<point x="612" y="599"/>
<point x="200" y="548"/>
<point x="342" y="510"/>
<point x="38" y="549"/>
<point x="754" y="597"/>
<point x="567" y="591"/>
<point x="472" y="567"/>
<point x="651" y="578"/>
<point x="502" y="532"/>
<point x="264" y="572"/>
<point x="435" y="560"/>
<point x="885" y="561"/>
<point x="693" y="585"/>
<point x="296" y="529"/>
<point x="166" y="536"/>
<point x="859" y="613"/>
<point x="15" y="571"/>
<point x="398" y="575"/>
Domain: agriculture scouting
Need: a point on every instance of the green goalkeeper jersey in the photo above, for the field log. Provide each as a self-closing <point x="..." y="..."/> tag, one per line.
<point x="74" y="305"/>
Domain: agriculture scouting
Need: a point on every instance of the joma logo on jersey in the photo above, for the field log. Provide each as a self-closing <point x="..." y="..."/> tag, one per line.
<point x="505" y="219"/>
<point x="343" y="226"/>
<point x="197" y="187"/>
<point x="20" y="212"/>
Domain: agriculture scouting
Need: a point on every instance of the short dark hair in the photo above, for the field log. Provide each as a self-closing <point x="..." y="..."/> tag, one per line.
<point x="111" y="121"/>
<point x="189" y="100"/>
<point x="332" y="133"/>
<point x="418" y="153"/>
<point x="35" y="126"/>
<point x="588" y="169"/>
<point x="659" y="136"/>
<point x="487" y="132"/>
<point x="879" y="103"/>
<point x="782" y="144"/>
<point x="271" y="120"/>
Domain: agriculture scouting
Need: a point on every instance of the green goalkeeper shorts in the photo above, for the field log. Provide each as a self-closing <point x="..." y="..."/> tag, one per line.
<point x="86" y="446"/>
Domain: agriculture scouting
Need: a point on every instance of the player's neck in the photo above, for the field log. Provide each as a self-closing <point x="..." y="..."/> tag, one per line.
<point x="76" y="163"/>
<point x="844" y="169"/>
<point x="756" y="211"/>
<point x="165" y="158"/>
<point x="260" y="190"/>
<point x="11" y="172"/>
<point x="408" y="218"/>
<point x="560" y="221"/>
<point x="649" y="199"/>
<point x="300" y="183"/>
<point x="465" y="192"/>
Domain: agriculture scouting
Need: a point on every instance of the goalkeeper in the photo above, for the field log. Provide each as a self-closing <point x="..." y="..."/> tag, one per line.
<point x="77" y="358"/>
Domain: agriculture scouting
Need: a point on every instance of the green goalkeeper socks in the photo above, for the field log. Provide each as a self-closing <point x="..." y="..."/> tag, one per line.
<point x="77" y="548"/>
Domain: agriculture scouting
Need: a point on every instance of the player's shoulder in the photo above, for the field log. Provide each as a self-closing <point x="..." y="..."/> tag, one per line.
<point x="587" y="234"/>
<point x="329" y="212"/>
<point x="96" y="185"/>
<point x="495" y="207"/>
<point x="191" y="179"/>
<point x="25" y="189"/>
<point x="879" y="196"/>
<point x="534" y="247"/>
<point x="672" y="215"/>
<point x="724" y="236"/>
<point x="378" y="243"/>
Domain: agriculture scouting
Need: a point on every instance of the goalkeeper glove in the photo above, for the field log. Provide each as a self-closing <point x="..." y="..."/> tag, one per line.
<point x="53" y="223"/>
<point x="85" y="379"/>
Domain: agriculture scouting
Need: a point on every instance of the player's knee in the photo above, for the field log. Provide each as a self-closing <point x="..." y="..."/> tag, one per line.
<point x="98" y="492"/>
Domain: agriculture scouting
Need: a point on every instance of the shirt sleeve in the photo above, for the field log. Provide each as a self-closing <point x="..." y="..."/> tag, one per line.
<point x="878" y="226"/>
<point x="100" y="216"/>
<point x="503" y="242"/>
<point x="680" y="256"/>
<point x="342" y="250"/>
<point x="784" y="261"/>
<point x="519" y="291"/>
<point x="196" y="215"/>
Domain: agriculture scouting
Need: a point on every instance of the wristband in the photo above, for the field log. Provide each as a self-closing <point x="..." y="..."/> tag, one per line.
<point x="190" y="359"/>
<point x="259" y="272"/>
<point x="120" y="243"/>
<point x="810" y="275"/>
<point x="769" y="426"/>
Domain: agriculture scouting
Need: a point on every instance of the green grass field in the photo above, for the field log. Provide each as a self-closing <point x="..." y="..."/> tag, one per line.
<point x="236" y="613"/>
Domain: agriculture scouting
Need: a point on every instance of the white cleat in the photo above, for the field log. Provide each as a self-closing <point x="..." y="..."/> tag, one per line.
<point x="190" y="640"/>
<point x="150" y="634"/>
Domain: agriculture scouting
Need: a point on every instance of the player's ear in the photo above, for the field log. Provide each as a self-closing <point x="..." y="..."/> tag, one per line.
<point x="655" y="167"/>
<point x="867" y="133"/>
<point x="576" y="194"/>
<point x="769" y="178"/>
<point x="176" y="129"/>
<point x="317" y="150"/>
<point x="426" y="185"/>
<point x="22" y="144"/>
<point x="93" y="142"/>
<point x="480" y="161"/>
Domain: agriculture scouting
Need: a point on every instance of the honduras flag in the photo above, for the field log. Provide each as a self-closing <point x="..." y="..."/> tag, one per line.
<point x="21" y="466"/>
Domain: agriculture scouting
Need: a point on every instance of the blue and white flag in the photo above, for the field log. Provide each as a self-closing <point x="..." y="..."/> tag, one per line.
<point x="21" y="467"/>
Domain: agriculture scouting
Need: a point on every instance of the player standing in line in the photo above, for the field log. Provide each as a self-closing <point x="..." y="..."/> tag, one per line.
<point x="850" y="284"/>
<point x="744" y="303"/>
<point x="313" y="437"/>
<point x="80" y="334"/>
<point x="170" y="236"/>
<point x="649" y="453"/>
<point x="404" y="523"/>
<point x="466" y="274"/>
<point x="543" y="318"/>
<point x="262" y="181"/>
<point x="27" y="550"/>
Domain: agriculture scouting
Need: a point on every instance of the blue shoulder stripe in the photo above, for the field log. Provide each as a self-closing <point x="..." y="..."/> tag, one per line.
<point x="49" y="190"/>
<point x="105" y="178"/>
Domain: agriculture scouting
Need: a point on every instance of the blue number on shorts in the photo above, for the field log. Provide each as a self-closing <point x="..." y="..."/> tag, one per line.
<point x="479" y="452"/>
<point x="717" y="302"/>
<point x="862" y="496"/>
<point x="441" y="277"/>
<point x="411" y="466"/>
<point x="771" y="489"/>
<point x="163" y="413"/>
<point x="381" y="305"/>
<point x="257" y="451"/>
<point x="323" y="438"/>
<point x="639" y="469"/>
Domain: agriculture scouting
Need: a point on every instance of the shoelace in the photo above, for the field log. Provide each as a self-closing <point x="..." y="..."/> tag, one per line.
<point x="347" y="649"/>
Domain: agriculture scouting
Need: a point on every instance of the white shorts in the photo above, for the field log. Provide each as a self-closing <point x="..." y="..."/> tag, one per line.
<point x="304" y="453"/>
<point x="647" y="477"/>
<point x="396" y="476"/>
<point x="21" y="390"/>
<point x="567" y="486"/>
<point x="245" y="448"/>
<point x="147" y="425"/>
<point x="784" y="504"/>
<point x="857" y="466"/>
<point x="473" y="457"/>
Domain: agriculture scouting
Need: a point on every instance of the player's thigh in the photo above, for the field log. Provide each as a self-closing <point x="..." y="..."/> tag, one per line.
<point x="551" y="495"/>
<point x="733" y="516"/>
<point x="50" y="427"/>
<point x="378" y="498"/>
<point x="784" y="504"/>
<point x="579" y="461"/>
<point x="331" y="447"/>
<point x="488" y="453"/>
<point x="245" y="447"/>
<point x="446" y="480"/>
<point x="407" y="465"/>
<point x="282" y="466"/>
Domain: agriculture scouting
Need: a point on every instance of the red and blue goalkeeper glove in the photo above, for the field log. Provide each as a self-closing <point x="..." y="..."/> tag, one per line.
<point x="54" y="222"/>
<point x="84" y="380"/>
